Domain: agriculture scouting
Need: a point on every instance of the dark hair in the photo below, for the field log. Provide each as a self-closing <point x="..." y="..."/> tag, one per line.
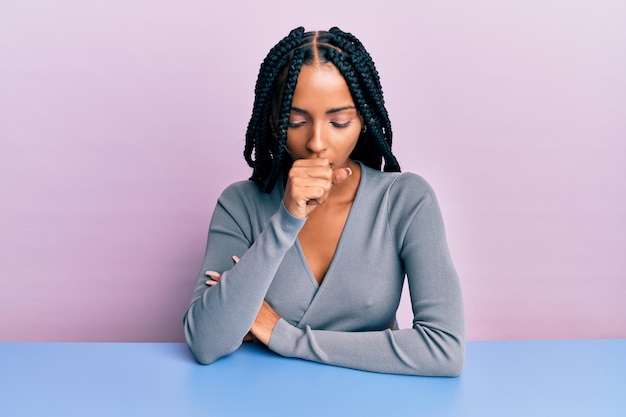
<point x="266" y="135"/>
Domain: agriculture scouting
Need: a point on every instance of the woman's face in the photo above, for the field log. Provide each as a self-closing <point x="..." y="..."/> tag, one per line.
<point x="323" y="122"/>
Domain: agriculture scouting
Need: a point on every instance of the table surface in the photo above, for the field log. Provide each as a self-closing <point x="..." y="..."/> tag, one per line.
<point x="507" y="378"/>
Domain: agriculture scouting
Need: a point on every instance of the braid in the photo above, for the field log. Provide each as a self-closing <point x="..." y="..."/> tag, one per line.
<point x="283" y="118"/>
<point x="360" y="102"/>
<point x="259" y="128"/>
<point x="266" y="134"/>
<point x="359" y="62"/>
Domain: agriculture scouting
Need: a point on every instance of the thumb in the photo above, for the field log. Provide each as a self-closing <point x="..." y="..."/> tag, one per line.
<point x="340" y="175"/>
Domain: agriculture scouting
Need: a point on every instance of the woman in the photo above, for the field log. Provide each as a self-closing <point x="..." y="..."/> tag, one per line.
<point x="309" y="257"/>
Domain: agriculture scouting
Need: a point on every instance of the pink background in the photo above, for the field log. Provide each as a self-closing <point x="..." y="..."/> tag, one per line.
<point x="121" y="122"/>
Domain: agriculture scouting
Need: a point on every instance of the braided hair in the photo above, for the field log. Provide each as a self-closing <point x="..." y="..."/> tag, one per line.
<point x="266" y="136"/>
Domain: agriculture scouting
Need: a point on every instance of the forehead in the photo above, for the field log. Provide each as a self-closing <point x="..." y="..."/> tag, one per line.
<point x="321" y="85"/>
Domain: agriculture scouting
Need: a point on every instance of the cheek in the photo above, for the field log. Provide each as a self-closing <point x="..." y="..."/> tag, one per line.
<point x="293" y="139"/>
<point x="350" y="141"/>
<point x="295" y="143"/>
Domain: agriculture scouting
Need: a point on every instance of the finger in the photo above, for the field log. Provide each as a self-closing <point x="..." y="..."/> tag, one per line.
<point x="322" y="172"/>
<point x="300" y="183"/>
<point x="216" y="276"/>
<point x="341" y="174"/>
<point x="316" y="195"/>
<point x="211" y="283"/>
<point x="312" y="162"/>
<point x="314" y="202"/>
<point x="235" y="258"/>
<point x="312" y="167"/>
<point x="309" y="195"/>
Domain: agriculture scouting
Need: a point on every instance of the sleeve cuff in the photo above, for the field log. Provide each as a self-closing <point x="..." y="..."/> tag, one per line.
<point x="284" y="338"/>
<point x="288" y="221"/>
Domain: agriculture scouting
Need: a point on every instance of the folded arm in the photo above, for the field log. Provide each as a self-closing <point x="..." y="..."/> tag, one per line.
<point x="218" y="317"/>
<point x="435" y="345"/>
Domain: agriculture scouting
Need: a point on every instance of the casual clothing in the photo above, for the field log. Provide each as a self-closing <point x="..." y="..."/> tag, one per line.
<point x="394" y="229"/>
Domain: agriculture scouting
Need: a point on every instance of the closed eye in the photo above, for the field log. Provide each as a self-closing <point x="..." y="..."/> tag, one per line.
<point x="341" y="125"/>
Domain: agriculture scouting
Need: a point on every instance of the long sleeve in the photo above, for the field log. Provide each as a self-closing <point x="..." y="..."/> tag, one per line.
<point x="435" y="344"/>
<point x="218" y="317"/>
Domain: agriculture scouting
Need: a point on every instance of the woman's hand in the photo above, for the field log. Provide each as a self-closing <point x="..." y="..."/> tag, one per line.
<point x="309" y="184"/>
<point x="215" y="277"/>
<point x="264" y="323"/>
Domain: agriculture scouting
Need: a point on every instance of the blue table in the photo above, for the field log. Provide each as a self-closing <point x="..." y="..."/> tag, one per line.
<point x="513" y="378"/>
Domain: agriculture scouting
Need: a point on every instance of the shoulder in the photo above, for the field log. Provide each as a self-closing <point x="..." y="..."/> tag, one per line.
<point x="399" y="186"/>
<point x="403" y="197"/>
<point x="412" y="188"/>
<point x="409" y="205"/>
<point x="245" y="197"/>
<point x="240" y="190"/>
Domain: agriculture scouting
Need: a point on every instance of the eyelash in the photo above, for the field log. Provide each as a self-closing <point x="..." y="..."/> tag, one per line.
<point x="337" y="125"/>
<point x="342" y="125"/>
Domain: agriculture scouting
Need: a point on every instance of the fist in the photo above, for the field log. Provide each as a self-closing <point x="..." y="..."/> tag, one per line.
<point x="309" y="184"/>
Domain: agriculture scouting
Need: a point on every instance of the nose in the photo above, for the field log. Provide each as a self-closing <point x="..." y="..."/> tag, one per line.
<point x="316" y="143"/>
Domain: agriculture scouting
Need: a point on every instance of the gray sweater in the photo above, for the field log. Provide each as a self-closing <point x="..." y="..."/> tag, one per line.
<point x="394" y="230"/>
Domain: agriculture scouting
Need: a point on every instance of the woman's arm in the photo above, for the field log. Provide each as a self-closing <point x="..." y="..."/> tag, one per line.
<point x="218" y="317"/>
<point x="435" y="345"/>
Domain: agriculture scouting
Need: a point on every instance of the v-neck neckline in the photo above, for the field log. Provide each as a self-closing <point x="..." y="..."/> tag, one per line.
<point x="342" y="237"/>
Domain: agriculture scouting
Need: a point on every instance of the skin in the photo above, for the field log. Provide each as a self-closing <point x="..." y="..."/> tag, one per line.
<point x="324" y="127"/>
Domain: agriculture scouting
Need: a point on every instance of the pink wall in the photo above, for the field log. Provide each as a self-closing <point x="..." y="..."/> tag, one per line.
<point x="120" y="123"/>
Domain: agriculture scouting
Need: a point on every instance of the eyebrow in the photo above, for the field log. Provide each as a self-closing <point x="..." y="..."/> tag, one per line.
<point x="337" y="110"/>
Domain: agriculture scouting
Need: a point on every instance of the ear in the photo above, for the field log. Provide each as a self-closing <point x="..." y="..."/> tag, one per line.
<point x="363" y="126"/>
